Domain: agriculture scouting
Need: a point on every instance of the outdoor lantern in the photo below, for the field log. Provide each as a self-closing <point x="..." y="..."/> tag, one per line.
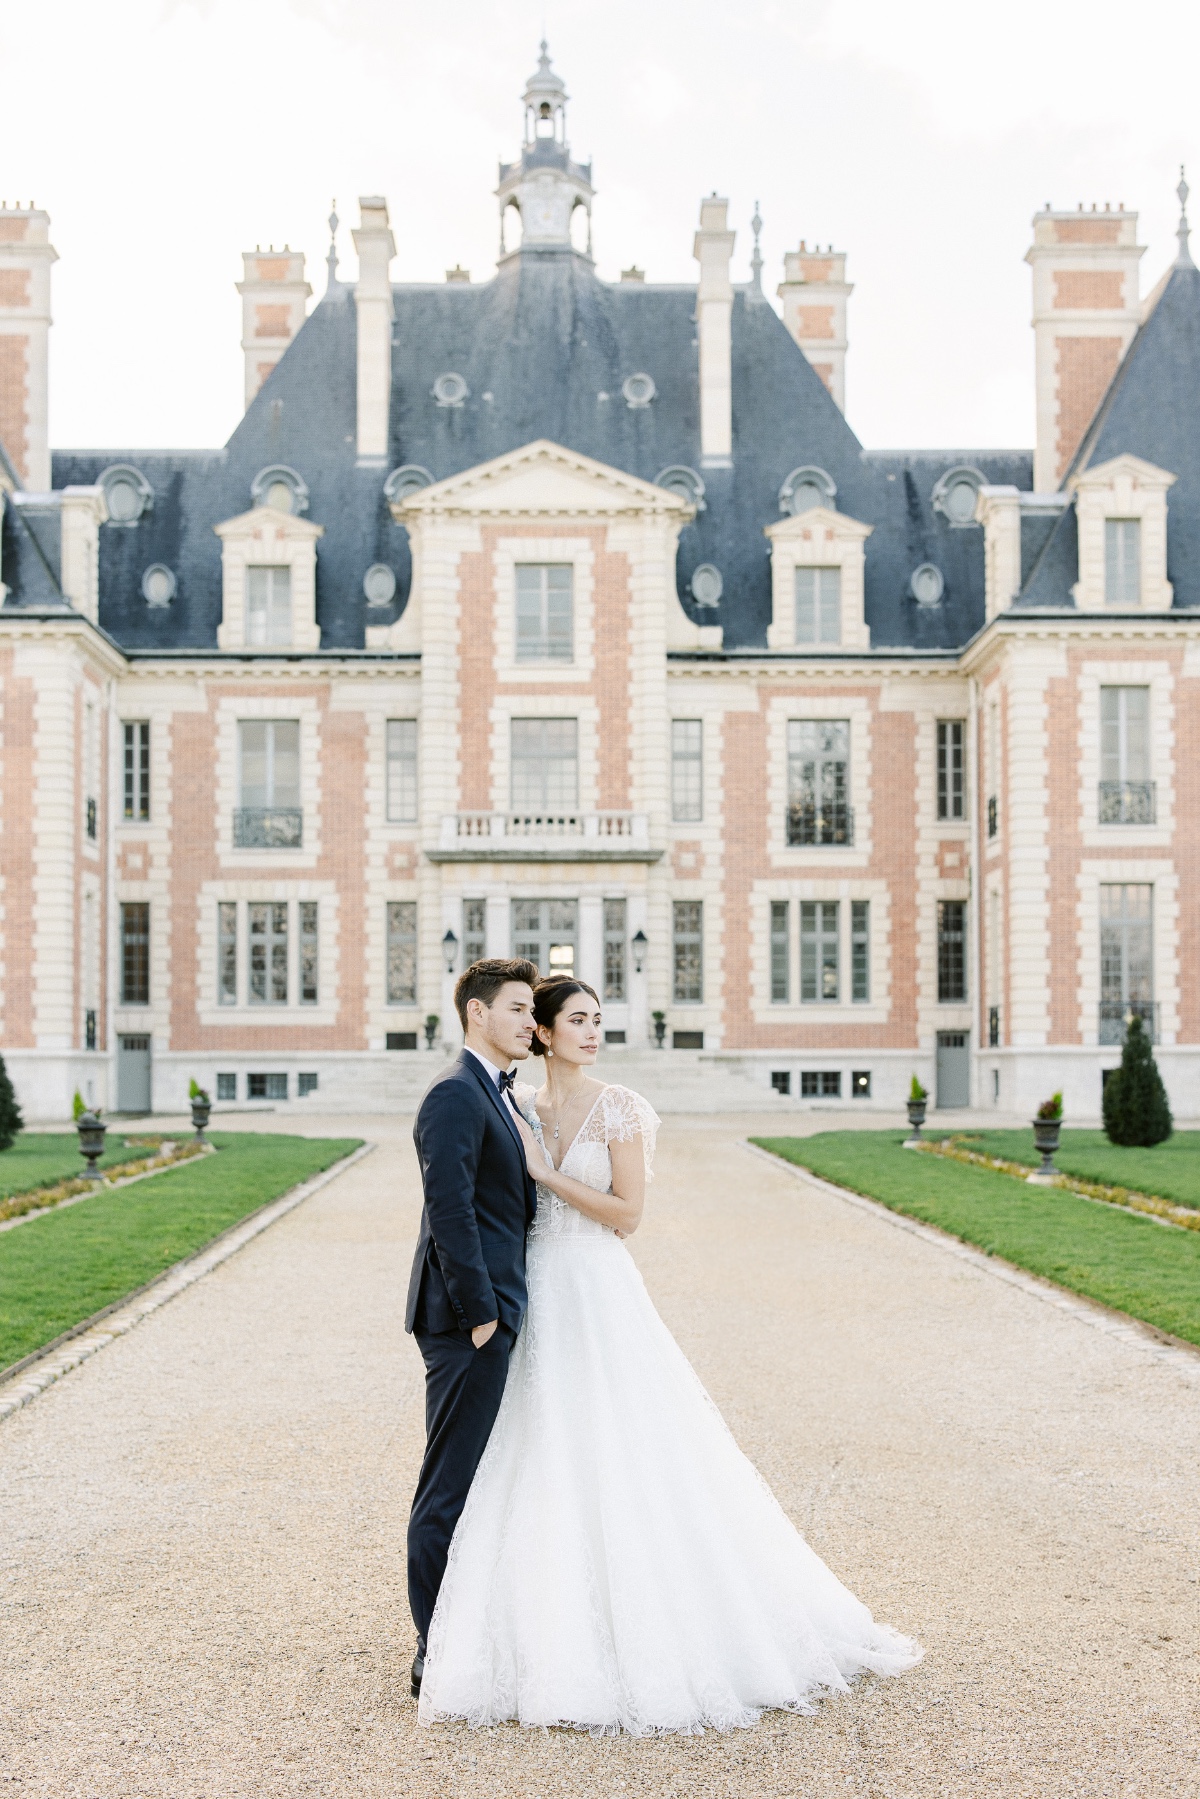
<point x="641" y="943"/>
<point x="91" y="1142"/>
<point x="450" y="950"/>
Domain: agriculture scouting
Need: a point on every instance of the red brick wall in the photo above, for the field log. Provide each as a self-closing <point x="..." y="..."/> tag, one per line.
<point x="1094" y="289"/>
<point x="1086" y="365"/>
<point x="14" y="287"/>
<point x="14" y="399"/>
<point x="1087" y="231"/>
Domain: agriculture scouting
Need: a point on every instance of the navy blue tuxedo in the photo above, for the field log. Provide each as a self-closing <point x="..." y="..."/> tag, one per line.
<point x="469" y="1268"/>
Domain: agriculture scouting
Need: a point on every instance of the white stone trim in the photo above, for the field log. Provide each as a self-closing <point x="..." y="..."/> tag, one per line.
<point x="579" y="553"/>
<point x="265" y="537"/>
<point x="827" y="704"/>
<point x="877" y="1010"/>
<point x="1126" y="487"/>
<point x="818" y="538"/>
<point x="1142" y="871"/>
<point x="210" y="1012"/>
<point x="231" y="708"/>
<point x="1159" y="677"/>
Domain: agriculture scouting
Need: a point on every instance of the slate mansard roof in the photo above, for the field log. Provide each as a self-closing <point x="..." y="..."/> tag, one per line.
<point x="1151" y="410"/>
<point x="544" y="348"/>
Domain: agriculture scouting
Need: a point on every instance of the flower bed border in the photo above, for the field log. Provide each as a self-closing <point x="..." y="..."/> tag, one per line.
<point x="1128" y="1199"/>
<point x="18" y="1207"/>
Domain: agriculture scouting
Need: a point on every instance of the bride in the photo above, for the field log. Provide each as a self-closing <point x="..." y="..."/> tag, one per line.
<point x="620" y="1564"/>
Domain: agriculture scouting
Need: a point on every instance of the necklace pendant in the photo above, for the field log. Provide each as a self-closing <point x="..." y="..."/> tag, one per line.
<point x="556" y="1133"/>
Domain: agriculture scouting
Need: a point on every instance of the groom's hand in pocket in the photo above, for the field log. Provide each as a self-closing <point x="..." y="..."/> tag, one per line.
<point x="483" y="1333"/>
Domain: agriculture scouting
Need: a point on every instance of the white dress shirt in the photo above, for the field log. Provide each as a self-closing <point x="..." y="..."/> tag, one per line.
<point x="493" y="1074"/>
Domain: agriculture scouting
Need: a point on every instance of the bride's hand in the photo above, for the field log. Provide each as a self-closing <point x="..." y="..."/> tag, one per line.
<point x="536" y="1159"/>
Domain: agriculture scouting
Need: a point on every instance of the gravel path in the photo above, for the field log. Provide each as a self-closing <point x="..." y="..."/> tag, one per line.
<point x="201" y="1561"/>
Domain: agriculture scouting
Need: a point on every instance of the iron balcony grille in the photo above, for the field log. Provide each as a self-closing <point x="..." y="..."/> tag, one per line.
<point x="993" y="1027"/>
<point x="268" y="828"/>
<point x="1115" y="1015"/>
<point x="1127" y="803"/>
<point x="829" y="823"/>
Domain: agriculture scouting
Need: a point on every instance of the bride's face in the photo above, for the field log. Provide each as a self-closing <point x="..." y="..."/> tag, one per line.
<point x="575" y="1034"/>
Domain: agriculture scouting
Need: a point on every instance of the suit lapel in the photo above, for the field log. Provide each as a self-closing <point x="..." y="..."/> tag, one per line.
<point x="493" y="1092"/>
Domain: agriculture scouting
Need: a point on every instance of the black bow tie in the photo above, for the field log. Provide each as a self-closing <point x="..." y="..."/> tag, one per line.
<point x="506" y="1081"/>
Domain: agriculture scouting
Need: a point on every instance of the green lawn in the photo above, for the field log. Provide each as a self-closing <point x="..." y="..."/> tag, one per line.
<point x="59" y="1268"/>
<point x="42" y="1158"/>
<point x="1170" y="1169"/>
<point x="1126" y="1261"/>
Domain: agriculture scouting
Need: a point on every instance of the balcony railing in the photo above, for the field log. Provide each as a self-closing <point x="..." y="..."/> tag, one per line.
<point x="268" y="828"/>
<point x="830" y="823"/>
<point x="525" y="834"/>
<point x="1127" y="803"/>
<point x="1116" y="1013"/>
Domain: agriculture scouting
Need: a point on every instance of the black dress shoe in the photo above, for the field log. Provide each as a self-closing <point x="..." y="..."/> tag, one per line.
<point x="418" y="1670"/>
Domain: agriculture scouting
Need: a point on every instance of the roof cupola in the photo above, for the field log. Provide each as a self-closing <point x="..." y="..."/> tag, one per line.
<point x="544" y="187"/>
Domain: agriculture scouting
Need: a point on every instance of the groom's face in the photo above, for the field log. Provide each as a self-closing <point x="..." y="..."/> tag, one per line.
<point x="508" y="1022"/>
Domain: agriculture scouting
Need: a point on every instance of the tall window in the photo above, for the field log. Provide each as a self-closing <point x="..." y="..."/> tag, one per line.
<point x="1126" y="791"/>
<point x="819" y="950"/>
<point x="227" y="953"/>
<point x="137" y="770"/>
<point x="818" y="605"/>
<point x="545" y="625"/>
<point x="615" y="950"/>
<point x="687" y="770"/>
<point x="270" y="773"/>
<point x="401" y="771"/>
<point x="135" y="953"/>
<point x="781" y="969"/>
<point x="688" y="947"/>
<point x="545" y="764"/>
<point x="1123" y="561"/>
<point x="993" y="768"/>
<point x="819" y="781"/>
<point x="474" y="931"/>
<point x="268" y="953"/>
<point x="309" y="946"/>
<point x="951" y="787"/>
<point x="860" y="949"/>
<point x="1126" y="958"/>
<point x="268" y="606"/>
<point x="91" y="767"/>
<point x="952" y="949"/>
<point x="402" y="951"/>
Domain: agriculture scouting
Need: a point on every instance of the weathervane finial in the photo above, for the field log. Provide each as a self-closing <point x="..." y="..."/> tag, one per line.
<point x="1183" y="231"/>
<point x="756" y="260"/>
<point x="331" y="260"/>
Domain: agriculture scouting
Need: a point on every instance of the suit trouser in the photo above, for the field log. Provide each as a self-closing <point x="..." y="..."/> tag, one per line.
<point x="463" y="1390"/>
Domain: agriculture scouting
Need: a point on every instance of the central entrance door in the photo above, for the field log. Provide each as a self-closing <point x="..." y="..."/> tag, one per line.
<point x="953" y="1069"/>
<point x="133" y="1074"/>
<point x="547" y="932"/>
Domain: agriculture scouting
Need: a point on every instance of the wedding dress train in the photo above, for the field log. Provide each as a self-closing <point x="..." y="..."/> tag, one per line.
<point x="620" y="1564"/>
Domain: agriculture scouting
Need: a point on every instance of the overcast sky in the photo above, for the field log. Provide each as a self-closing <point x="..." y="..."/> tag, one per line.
<point x="166" y="136"/>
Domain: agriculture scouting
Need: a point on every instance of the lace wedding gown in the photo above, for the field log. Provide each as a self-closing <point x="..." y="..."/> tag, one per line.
<point x="620" y="1564"/>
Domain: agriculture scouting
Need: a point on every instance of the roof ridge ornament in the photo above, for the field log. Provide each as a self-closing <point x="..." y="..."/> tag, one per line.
<point x="756" y="261"/>
<point x="1183" y="231"/>
<point x="331" y="261"/>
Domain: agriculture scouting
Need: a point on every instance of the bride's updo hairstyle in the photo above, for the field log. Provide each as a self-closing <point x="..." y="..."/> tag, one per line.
<point x="549" y="998"/>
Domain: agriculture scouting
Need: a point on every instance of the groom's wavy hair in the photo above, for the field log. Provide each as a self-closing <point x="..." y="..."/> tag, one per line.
<point x="549" y="998"/>
<point x="483" y="980"/>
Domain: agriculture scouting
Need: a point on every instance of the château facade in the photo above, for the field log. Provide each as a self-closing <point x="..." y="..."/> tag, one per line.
<point x="549" y="616"/>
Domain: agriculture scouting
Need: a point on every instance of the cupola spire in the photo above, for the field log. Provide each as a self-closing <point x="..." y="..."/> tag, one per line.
<point x="1183" y="230"/>
<point x="544" y="187"/>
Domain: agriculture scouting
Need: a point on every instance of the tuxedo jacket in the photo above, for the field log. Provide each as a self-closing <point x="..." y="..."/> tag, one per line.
<point x="479" y="1202"/>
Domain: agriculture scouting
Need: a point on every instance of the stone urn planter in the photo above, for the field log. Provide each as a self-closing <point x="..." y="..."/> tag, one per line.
<point x="91" y="1142"/>
<point x="431" y="1025"/>
<point x="660" y="1028"/>
<point x="916" y="1118"/>
<point x="201" y="1107"/>
<point x="1046" y="1132"/>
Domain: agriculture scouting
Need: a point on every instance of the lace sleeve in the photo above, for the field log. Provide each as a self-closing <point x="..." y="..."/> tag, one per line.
<point x="627" y="1115"/>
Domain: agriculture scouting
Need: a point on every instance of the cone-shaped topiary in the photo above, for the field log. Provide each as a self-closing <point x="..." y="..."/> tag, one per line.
<point x="1135" y="1100"/>
<point x="10" y="1112"/>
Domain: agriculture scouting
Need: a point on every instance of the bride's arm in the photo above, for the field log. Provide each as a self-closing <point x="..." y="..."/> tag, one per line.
<point x="620" y="1210"/>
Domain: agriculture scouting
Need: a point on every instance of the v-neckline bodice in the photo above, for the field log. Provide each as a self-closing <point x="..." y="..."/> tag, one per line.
<point x="558" y="1166"/>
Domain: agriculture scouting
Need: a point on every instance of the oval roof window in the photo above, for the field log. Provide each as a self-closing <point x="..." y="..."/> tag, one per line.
<point x="707" y="584"/>
<point x="450" y="389"/>
<point x="639" y="390"/>
<point x="281" y="488"/>
<point x="806" y="488"/>
<point x="379" y="584"/>
<point x="158" y="585"/>
<point x="927" y="584"/>
<point x="127" y="493"/>
<point x="956" y="494"/>
<point x="684" y="481"/>
<point x="403" y="481"/>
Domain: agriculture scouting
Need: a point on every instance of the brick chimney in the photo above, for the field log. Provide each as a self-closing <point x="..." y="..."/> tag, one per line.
<point x="274" y="298"/>
<point x="373" y="298"/>
<point x="1085" y="313"/>
<point x="713" y="249"/>
<point x="814" y="291"/>
<point x="25" y="257"/>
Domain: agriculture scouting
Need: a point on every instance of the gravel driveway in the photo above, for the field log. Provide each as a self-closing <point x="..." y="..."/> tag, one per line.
<point x="202" y="1548"/>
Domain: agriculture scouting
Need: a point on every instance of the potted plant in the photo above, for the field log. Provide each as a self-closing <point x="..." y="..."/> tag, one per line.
<point x="91" y="1141"/>
<point x="1047" y="1125"/>
<point x="917" y="1097"/>
<point x="431" y="1025"/>
<point x="201" y="1107"/>
<point x="660" y="1027"/>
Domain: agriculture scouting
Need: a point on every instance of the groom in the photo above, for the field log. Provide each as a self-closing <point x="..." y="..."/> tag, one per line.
<point x="466" y="1297"/>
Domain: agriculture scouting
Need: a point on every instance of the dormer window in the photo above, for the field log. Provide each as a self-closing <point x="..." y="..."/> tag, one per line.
<point x="268" y="606"/>
<point x="818" y="605"/>
<point x="280" y="488"/>
<point x="1123" y="562"/>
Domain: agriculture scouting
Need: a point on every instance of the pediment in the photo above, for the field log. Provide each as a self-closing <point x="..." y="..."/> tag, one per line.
<point x="1124" y="467"/>
<point x="261" y="520"/>
<point x="543" y="480"/>
<point x="817" y="521"/>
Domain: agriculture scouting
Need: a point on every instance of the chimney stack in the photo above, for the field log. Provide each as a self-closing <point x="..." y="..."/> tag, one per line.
<point x="1085" y="314"/>
<point x="713" y="250"/>
<point x="814" y="291"/>
<point x="274" y="296"/>
<point x="25" y="257"/>
<point x="373" y="297"/>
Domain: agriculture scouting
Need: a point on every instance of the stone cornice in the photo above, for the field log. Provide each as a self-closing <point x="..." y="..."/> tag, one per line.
<point x="48" y="622"/>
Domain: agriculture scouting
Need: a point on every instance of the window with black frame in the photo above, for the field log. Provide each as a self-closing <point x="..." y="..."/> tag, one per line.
<point x="952" y="950"/>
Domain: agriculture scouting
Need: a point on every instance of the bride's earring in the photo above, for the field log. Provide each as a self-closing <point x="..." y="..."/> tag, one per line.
<point x="549" y="1052"/>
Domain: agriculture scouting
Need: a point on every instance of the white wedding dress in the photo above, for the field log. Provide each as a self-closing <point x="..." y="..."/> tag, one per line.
<point x="620" y="1564"/>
